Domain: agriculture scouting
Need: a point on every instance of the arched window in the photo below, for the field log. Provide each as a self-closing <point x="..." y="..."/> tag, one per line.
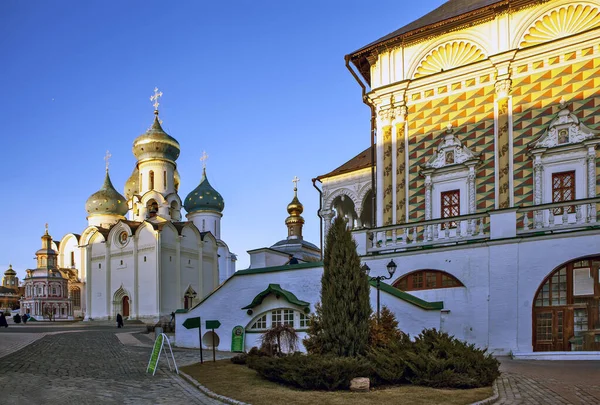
<point x="285" y="316"/>
<point x="151" y="180"/>
<point x="566" y="308"/>
<point x="427" y="280"/>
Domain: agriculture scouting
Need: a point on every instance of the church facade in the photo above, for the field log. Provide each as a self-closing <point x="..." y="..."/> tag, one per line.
<point x="482" y="177"/>
<point x="138" y="257"/>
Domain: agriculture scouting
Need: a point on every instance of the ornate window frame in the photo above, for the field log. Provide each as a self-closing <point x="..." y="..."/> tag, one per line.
<point x="452" y="167"/>
<point x="566" y="145"/>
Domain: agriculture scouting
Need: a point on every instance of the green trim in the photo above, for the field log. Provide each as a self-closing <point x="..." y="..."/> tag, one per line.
<point x="411" y="299"/>
<point x="278" y="291"/>
<point x="274" y="269"/>
<point x="181" y="311"/>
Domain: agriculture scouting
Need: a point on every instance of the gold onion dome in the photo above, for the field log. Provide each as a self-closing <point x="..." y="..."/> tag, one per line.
<point x="10" y="271"/>
<point x="131" y="185"/>
<point x="295" y="208"/>
<point x="106" y="201"/>
<point x="204" y="198"/>
<point x="155" y="143"/>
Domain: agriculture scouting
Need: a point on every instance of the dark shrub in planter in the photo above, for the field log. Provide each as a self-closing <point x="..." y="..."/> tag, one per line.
<point x="388" y="364"/>
<point x="440" y="360"/>
<point x="311" y="371"/>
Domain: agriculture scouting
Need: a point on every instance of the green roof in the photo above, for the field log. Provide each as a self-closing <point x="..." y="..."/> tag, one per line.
<point x="279" y="292"/>
<point x="411" y="299"/>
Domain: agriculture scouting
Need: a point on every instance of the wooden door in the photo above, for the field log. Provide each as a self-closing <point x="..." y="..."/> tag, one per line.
<point x="125" y="306"/>
<point x="550" y="332"/>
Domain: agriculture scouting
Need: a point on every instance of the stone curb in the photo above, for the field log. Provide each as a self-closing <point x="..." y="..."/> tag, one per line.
<point x="208" y="392"/>
<point x="491" y="400"/>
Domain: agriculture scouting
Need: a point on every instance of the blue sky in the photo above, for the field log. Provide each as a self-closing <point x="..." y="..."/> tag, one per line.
<point x="260" y="85"/>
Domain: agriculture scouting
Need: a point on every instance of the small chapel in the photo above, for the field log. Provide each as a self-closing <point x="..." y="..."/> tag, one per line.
<point x="138" y="257"/>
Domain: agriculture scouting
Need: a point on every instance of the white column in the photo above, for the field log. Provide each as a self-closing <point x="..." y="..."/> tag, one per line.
<point x="109" y="297"/>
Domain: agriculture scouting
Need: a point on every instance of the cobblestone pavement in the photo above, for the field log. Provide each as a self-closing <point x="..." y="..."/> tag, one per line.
<point x="90" y="367"/>
<point x="549" y="382"/>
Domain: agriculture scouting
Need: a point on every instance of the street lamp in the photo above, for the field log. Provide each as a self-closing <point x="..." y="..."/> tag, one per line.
<point x="391" y="268"/>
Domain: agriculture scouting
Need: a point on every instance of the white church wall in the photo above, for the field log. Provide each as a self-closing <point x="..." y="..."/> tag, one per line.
<point x="226" y="303"/>
<point x="207" y="276"/>
<point x="170" y="270"/>
<point x="69" y="249"/>
<point x="468" y="318"/>
<point x="147" y="299"/>
<point x="262" y="258"/>
<point x="98" y="278"/>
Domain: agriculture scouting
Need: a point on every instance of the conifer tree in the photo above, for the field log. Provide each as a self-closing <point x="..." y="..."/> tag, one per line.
<point x="344" y="295"/>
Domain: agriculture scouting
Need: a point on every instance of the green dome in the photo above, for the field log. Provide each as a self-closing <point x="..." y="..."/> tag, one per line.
<point x="155" y="143"/>
<point x="106" y="201"/>
<point x="204" y="198"/>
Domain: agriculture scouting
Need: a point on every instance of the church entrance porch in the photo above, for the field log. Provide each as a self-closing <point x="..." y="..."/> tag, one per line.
<point x="566" y="312"/>
<point x="121" y="303"/>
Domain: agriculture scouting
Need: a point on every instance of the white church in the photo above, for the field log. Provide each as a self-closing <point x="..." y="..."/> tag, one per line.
<point x="138" y="257"/>
<point x="480" y="182"/>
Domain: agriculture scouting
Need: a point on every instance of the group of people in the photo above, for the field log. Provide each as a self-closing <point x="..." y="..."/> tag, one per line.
<point x="17" y="318"/>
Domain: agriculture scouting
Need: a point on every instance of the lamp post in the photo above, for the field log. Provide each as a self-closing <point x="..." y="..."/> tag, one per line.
<point x="391" y="268"/>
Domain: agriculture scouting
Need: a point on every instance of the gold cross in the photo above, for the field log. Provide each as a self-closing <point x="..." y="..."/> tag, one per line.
<point x="46" y="228"/>
<point x="295" y="180"/>
<point x="107" y="158"/>
<point x="203" y="159"/>
<point x="155" y="97"/>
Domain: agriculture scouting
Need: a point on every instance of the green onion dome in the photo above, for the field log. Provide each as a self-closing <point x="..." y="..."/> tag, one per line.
<point x="131" y="185"/>
<point x="155" y="143"/>
<point x="106" y="201"/>
<point x="204" y="198"/>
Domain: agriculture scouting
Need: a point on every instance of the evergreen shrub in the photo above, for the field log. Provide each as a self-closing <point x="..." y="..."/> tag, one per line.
<point x="239" y="358"/>
<point x="440" y="360"/>
<point x="312" y="372"/>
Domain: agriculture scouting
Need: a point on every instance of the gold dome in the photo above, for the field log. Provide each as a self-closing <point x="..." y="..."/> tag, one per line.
<point x="295" y="208"/>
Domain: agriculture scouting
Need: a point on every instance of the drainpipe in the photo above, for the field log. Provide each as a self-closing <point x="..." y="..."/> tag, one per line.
<point x="319" y="214"/>
<point x="373" y="134"/>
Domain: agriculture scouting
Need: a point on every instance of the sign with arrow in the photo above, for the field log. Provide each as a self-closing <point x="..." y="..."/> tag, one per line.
<point x="193" y="323"/>
<point x="212" y="324"/>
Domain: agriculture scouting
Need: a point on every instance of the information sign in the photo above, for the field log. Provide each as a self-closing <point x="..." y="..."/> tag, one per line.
<point x="237" y="339"/>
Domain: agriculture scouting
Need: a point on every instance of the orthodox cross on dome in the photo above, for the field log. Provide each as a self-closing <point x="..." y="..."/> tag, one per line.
<point x="203" y="159"/>
<point x="295" y="180"/>
<point x="107" y="158"/>
<point x="155" y="97"/>
<point x="46" y="226"/>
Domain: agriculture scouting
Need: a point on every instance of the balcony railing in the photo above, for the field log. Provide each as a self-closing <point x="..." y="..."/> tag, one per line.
<point x="435" y="231"/>
<point x="499" y="224"/>
<point x="567" y="215"/>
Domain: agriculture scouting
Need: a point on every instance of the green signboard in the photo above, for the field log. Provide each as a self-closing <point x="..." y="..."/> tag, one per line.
<point x="212" y="324"/>
<point x="155" y="354"/>
<point x="191" y="323"/>
<point x="237" y="339"/>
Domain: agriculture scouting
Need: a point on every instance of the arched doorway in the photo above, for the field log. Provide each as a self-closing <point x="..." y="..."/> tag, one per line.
<point x="125" y="304"/>
<point x="566" y="308"/>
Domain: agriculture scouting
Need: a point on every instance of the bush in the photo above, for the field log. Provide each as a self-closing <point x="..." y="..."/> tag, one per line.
<point x="440" y="360"/>
<point x="388" y="364"/>
<point x="280" y="339"/>
<point x="384" y="332"/>
<point x="313" y="372"/>
<point x="239" y="359"/>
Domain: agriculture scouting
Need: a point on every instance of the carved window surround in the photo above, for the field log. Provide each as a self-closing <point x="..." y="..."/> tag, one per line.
<point x="452" y="167"/>
<point x="567" y="145"/>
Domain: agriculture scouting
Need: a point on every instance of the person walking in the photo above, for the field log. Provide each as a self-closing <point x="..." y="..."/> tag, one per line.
<point x="24" y="318"/>
<point x="119" y="321"/>
<point x="3" y="320"/>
